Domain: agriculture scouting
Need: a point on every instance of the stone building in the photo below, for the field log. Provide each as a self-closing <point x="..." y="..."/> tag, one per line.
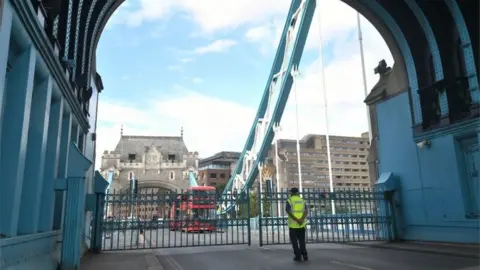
<point x="159" y="164"/>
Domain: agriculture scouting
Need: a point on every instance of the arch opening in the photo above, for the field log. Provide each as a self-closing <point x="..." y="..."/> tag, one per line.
<point x="416" y="61"/>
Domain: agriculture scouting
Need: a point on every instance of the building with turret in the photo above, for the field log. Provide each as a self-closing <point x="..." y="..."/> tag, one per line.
<point x="158" y="163"/>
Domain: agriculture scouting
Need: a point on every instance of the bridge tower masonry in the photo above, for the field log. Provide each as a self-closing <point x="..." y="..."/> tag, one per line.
<point x="154" y="161"/>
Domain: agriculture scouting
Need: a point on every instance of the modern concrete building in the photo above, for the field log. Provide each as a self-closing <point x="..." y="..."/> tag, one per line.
<point x="348" y="158"/>
<point x="217" y="169"/>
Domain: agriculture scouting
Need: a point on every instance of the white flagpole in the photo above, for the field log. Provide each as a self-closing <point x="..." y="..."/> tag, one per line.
<point x="277" y="129"/>
<point x="324" y="85"/>
<point x="295" y="74"/>
<point x="360" y="41"/>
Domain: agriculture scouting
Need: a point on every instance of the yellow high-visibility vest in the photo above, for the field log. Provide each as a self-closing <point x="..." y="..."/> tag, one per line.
<point x="297" y="205"/>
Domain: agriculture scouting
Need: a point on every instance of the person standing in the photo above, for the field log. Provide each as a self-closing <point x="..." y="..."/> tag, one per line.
<point x="297" y="213"/>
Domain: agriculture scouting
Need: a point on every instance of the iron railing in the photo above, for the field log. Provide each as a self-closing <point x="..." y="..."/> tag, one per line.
<point x="166" y="219"/>
<point x="360" y="215"/>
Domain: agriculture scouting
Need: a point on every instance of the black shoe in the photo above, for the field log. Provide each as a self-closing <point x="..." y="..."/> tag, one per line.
<point x="297" y="258"/>
<point x="305" y="257"/>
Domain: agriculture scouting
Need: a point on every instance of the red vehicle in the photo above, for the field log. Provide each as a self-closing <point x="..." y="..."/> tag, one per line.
<point x="194" y="211"/>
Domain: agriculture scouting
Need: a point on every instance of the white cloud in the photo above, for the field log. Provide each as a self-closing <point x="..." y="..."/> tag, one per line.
<point x="163" y="117"/>
<point x="209" y="15"/>
<point x="175" y="68"/>
<point x="197" y="80"/>
<point x="332" y="26"/>
<point x="186" y="60"/>
<point x="232" y="121"/>
<point x="216" y="46"/>
<point x="267" y="35"/>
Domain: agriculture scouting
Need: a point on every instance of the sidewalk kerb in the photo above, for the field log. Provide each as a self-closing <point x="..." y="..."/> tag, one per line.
<point x="413" y="249"/>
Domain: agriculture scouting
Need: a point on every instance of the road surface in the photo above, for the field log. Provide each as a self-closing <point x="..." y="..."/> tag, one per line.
<point x="322" y="256"/>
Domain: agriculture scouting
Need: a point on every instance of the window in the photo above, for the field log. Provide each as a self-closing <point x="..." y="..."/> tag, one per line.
<point x="222" y="175"/>
<point x="470" y="152"/>
<point x="131" y="176"/>
<point x="171" y="157"/>
<point x="171" y="175"/>
<point x="213" y="175"/>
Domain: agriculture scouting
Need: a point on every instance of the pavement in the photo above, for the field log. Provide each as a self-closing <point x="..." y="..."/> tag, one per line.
<point x="124" y="260"/>
<point x="279" y="257"/>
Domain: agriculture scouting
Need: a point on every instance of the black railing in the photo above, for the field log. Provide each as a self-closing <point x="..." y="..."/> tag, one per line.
<point x="430" y="106"/>
<point x="459" y="99"/>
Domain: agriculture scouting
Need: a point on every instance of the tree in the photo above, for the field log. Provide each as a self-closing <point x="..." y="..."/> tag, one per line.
<point x="219" y="189"/>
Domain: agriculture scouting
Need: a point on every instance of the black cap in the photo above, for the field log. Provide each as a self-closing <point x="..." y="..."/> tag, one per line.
<point x="294" y="190"/>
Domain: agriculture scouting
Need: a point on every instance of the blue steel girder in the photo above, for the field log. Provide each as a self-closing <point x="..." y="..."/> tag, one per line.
<point x="467" y="49"/>
<point x="85" y="39"/>
<point x="432" y="43"/>
<point x="93" y="40"/>
<point x="100" y="11"/>
<point x="402" y="43"/>
<point x="286" y="86"/>
<point x="77" y="34"/>
<point x="68" y="29"/>
<point x="277" y="64"/>
<point x="88" y="62"/>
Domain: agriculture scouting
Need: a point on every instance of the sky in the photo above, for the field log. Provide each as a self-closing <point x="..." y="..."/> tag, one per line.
<point x="203" y="65"/>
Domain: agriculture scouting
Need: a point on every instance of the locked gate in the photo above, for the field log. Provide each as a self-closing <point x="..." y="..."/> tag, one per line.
<point x="157" y="218"/>
<point x="354" y="215"/>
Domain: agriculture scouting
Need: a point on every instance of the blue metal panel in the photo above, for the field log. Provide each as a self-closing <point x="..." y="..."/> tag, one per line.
<point x="100" y="187"/>
<point x="406" y="53"/>
<point x="35" y="160"/>
<point x="51" y="166"/>
<point x="277" y="64"/>
<point x="38" y="36"/>
<point x="78" y="164"/>
<point x="74" y="133"/>
<point x="432" y="44"/>
<point x="467" y="49"/>
<point x="33" y="251"/>
<point x="192" y="181"/>
<point x="62" y="169"/>
<point x="5" y="30"/>
<point x="18" y="98"/>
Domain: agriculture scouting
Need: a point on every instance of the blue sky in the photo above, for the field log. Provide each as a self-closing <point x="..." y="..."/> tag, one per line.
<point x="203" y="65"/>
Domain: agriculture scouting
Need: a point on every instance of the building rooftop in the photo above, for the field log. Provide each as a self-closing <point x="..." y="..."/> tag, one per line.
<point x="222" y="157"/>
<point x="166" y="145"/>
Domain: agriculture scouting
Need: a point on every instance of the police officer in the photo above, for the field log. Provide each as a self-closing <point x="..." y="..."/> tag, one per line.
<point x="297" y="213"/>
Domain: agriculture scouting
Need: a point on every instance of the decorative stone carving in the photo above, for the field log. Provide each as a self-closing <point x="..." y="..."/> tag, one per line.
<point x="382" y="68"/>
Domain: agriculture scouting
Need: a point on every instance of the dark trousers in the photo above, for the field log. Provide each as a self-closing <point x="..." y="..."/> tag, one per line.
<point x="297" y="237"/>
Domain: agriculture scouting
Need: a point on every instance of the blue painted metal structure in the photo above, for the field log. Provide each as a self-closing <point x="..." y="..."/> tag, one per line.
<point x="51" y="92"/>
<point x="192" y="180"/>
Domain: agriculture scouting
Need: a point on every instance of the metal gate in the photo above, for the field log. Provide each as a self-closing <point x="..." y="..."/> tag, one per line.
<point x="340" y="216"/>
<point x="156" y="218"/>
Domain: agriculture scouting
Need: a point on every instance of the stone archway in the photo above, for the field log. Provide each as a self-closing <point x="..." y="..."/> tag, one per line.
<point x="152" y="200"/>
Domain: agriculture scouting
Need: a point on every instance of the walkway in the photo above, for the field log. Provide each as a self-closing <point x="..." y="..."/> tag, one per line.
<point x="322" y="256"/>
